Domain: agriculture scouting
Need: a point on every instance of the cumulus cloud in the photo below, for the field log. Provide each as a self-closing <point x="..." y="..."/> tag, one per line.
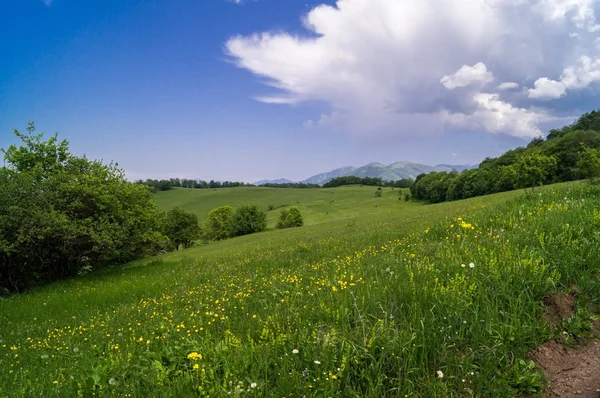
<point x="468" y="76"/>
<point x="572" y="78"/>
<point x="379" y="66"/>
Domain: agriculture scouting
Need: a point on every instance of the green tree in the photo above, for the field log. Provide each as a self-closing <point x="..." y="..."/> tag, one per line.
<point x="182" y="227"/>
<point x="290" y="218"/>
<point x="533" y="168"/>
<point x="248" y="219"/>
<point x="218" y="225"/>
<point x="588" y="164"/>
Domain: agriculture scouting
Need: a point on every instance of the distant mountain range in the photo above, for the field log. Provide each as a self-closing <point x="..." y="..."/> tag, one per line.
<point x="394" y="171"/>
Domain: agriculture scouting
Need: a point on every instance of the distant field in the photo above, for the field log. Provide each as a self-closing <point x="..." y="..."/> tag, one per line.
<point x="379" y="297"/>
<point x="317" y="205"/>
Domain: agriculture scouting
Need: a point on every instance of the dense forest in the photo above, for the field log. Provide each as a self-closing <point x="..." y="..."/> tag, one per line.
<point x="566" y="154"/>
<point x="369" y="181"/>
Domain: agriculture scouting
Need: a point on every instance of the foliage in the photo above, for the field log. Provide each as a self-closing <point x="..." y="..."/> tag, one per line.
<point x="533" y="168"/>
<point x="520" y="167"/>
<point x="353" y="180"/>
<point x="589" y="163"/>
<point x="290" y="218"/>
<point x="290" y="185"/>
<point x="247" y="219"/>
<point x="60" y="213"/>
<point x="218" y="225"/>
<point x="182" y="227"/>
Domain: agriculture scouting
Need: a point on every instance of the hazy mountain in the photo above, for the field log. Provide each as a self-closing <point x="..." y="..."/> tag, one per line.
<point x="277" y="181"/>
<point x="394" y="171"/>
<point x="324" y="177"/>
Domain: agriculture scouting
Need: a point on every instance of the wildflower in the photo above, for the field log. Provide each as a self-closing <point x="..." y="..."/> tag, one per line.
<point x="75" y="349"/>
<point x="112" y="381"/>
<point x="317" y="362"/>
<point x="196" y="366"/>
<point x="253" y="385"/>
<point x="471" y="265"/>
<point x="194" y="356"/>
<point x="462" y="265"/>
<point x="295" y="351"/>
<point x="440" y="374"/>
<point x="334" y="377"/>
<point x="45" y="356"/>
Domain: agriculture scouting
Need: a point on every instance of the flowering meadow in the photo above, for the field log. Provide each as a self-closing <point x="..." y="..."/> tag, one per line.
<point x="414" y="300"/>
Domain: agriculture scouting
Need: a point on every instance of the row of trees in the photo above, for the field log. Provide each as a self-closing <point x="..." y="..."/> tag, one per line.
<point x="369" y="181"/>
<point x="567" y="154"/>
<point x="291" y="185"/>
<point x="226" y="222"/>
<point x="165" y="185"/>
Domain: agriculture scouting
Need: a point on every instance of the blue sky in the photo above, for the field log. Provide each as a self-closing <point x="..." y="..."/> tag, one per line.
<point x="248" y="90"/>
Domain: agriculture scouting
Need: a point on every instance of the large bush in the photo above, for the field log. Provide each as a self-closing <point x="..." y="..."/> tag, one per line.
<point x="182" y="227"/>
<point x="248" y="219"/>
<point x="290" y="218"/>
<point x="218" y="225"/>
<point x="60" y="213"/>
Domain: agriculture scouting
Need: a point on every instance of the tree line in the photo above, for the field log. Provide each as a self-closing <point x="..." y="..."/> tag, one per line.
<point x="167" y="184"/>
<point x="368" y="181"/>
<point x="567" y="154"/>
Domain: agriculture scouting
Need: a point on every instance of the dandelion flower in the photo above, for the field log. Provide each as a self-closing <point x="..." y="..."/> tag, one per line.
<point x="440" y="374"/>
<point x="196" y="366"/>
<point x="295" y="351"/>
<point x="194" y="356"/>
<point x="317" y="362"/>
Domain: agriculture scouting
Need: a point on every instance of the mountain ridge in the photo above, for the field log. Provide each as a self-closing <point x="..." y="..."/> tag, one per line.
<point x="394" y="171"/>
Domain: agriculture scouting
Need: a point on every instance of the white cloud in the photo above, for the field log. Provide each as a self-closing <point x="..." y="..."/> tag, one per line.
<point x="468" y="76"/>
<point x="47" y="3"/>
<point x="508" y="86"/>
<point x="378" y="63"/>
<point x="496" y="116"/>
<point x="572" y="78"/>
<point x="545" y="88"/>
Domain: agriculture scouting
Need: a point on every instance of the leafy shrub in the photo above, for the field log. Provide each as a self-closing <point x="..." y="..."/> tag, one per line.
<point x="218" y="225"/>
<point x="60" y="214"/>
<point x="247" y="219"/>
<point x="290" y="218"/>
<point x="181" y="227"/>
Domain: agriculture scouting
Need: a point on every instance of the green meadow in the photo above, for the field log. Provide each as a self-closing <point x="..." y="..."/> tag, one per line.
<point x="373" y="297"/>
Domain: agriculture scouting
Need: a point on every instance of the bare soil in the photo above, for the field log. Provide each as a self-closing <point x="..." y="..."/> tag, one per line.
<point x="572" y="371"/>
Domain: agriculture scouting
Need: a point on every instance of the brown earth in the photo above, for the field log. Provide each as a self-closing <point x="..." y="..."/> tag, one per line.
<point x="572" y="371"/>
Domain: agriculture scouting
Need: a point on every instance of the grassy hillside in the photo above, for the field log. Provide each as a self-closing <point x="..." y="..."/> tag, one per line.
<point x="394" y="300"/>
<point x="317" y="205"/>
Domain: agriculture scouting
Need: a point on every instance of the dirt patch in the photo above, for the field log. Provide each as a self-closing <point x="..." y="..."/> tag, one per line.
<point x="558" y="306"/>
<point x="572" y="372"/>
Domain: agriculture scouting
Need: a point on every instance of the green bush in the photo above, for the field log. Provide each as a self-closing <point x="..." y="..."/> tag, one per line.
<point x="61" y="214"/>
<point x="248" y="219"/>
<point x="218" y="225"/>
<point x="290" y="218"/>
<point x="181" y="227"/>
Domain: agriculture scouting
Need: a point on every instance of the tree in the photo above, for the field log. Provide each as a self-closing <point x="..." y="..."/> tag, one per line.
<point x="218" y="225"/>
<point x="248" y="219"/>
<point x="60" y="213"/>
<point x="182" y="227"/>
<point x="290" y="218"/>
<point x="588" y="164"/>
<point x="533" y="168"/>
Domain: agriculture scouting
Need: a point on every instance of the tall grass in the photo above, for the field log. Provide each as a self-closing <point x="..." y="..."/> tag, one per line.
<point x="441" y="300"/>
